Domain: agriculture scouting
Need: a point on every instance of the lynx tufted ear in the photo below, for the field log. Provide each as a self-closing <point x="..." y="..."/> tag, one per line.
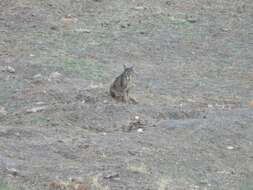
<point x="128" y="68"/>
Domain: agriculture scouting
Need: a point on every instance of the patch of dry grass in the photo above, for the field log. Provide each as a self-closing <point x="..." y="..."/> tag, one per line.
<point x="138" y="168"/>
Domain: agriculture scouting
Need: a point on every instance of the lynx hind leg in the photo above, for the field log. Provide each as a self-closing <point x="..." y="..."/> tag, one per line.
<point x="117" y="95"/>
<point x="133" y="100"/>
<point x="113" y="92"/>
<point x="121" y="99"/>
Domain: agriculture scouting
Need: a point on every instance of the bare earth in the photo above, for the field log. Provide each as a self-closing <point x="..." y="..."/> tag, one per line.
<point x="192" y="128"/>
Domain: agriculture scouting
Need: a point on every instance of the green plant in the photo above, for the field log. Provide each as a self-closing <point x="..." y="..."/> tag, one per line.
<point x="4" y="186"/>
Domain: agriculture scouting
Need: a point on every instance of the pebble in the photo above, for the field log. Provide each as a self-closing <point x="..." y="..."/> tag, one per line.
<point x="225" y="29"/>
<point x="38" y="78"/>
<point x="76" y="179"/>
<point x="140" y="130"/>
<point x="3" y="111"/>
<point x="9" y="69"/>
<point x="36" y="109"/>
<point x="40" y="103"/>
<point x="12" y="171"/>
<point x="191" y="19"/>
<point x="112" y="176"/>
<point x="138" y="8"/>
<point x="54" y="76"/>
<point x="83" y="30"/>
<point x="54" y="28"/>
<point x="69" y="18"/>
<point x="230" y="147"/>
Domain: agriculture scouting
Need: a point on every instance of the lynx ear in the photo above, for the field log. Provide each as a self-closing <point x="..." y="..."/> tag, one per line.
<point x="124" y="66"/>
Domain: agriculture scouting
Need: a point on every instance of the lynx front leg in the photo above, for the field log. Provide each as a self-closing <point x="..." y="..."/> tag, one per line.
<point x="125" y="96"/>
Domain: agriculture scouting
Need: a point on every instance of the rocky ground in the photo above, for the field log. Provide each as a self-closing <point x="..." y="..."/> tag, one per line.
<point x="192" y="127"/>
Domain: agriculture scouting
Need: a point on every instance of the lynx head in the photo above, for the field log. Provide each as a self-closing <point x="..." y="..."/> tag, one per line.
<point x="128" y="72"/>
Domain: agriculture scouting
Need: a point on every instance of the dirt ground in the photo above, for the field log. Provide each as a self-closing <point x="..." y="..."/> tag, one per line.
<point x="192" y="128"/>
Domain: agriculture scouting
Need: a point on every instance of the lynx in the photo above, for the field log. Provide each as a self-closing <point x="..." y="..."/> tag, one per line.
<point x="122" y="84"/>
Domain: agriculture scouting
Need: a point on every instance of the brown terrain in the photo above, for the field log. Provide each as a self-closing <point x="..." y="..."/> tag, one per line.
<point x="192" y="128"/>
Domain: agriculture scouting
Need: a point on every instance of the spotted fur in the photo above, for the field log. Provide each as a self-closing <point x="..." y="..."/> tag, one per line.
<point x="121" y="85"/>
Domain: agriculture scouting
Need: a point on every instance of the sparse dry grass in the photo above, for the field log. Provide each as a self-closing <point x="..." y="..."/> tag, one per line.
<point x="139" y="168"/>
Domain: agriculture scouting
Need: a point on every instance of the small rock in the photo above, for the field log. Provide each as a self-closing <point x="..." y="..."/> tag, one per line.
<point x="32" y="55"/>
<point x="83" y="30"/>
<point x="225" y="29"/>
<point x="94" y="86"/>
<point x="69" y="19"/>
<point x="36" y="109"/>
<point x="140" y="130"/>
<point x="40" y="103"/>
<point x="223" y="172"/>
<point x="137" y="117"/>
<point x="169" y="3"/>
<point x="54" y="76"/>
<point x="3" y="111"/>
<point x="17" y="134"/>
<point x="132" y="153"/>
<point x="38" y="78"/>
<point x="76" y="179"/>
<point x="122" y="26"/>
<point x="230" y="147"/>
<point x="138" y="8"/>
<point x="191" y="18"/>
<point x="111" y="176"/>
<point x="9" y="69"/>
<point x="12" y="171"/>
<point x="54" y="28"/>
